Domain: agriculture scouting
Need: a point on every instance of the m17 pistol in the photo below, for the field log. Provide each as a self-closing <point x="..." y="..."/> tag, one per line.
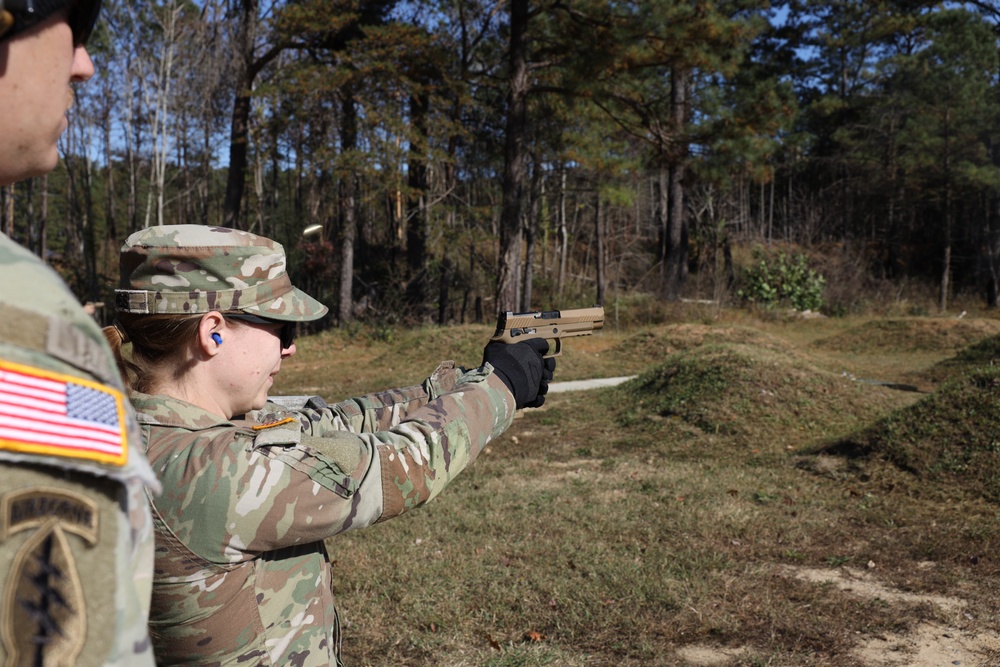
<point x="552" y="325"/>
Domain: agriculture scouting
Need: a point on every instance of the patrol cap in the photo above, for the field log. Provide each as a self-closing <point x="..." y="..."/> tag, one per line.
<point x="191" y="269"/>
<point x="19" y="15"/>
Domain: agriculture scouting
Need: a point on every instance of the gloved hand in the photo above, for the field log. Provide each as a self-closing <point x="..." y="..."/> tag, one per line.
<point x="522" y="369"/>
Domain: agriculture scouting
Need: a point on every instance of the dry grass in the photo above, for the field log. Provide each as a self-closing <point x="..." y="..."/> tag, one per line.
<point x="677" y="519"/>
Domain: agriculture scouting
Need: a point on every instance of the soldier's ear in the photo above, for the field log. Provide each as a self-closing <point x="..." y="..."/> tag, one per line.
<point x="210" y="333"/>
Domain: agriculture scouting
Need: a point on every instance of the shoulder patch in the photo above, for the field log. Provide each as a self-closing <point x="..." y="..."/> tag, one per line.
<point x="52" y="414"/>
<point x="282" y="422"/>
<point x="34" y="506"/>
<point x="44" y="617"/>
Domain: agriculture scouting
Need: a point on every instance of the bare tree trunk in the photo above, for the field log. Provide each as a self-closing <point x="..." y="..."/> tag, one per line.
<point x="945" y="276"/>
<point x="661" y="189"/>
<point x="299" y="205"/>
<point x="599" y="262"/>
<point x="993" y="259"/>
<point x="543" y="221"/>
<point x="272" y="198"/>
<point x="993" y="239"/>
<point x="349" y="227"/>
<point x="770" y="211"/>
<point x="676" y="256"/>
<point x="470" y="284"/>
<point x="443" y="291"/>
<point x="514" y="159"/>
<point x="563" y="233"/>
<point x="74" y="232"/>
<point x="345" y="312"/>
<point x="417" y="210"/>
<point x="529" y="260"/>
<point x="89" y="234"/>
<point x="531" y="232"/>
<point x="246" y="35"/>
<point x="259" y="196"/>
<point x="109" y="213"/>
<point x="948" y="223"/>
<point x="133" y="138"/>
<point x="160" y="134"/>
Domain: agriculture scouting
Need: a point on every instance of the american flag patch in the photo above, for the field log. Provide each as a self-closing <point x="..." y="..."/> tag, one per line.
<point x="60" y="415"/>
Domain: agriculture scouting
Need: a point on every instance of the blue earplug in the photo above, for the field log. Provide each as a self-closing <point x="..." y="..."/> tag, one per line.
<point x="217" y="338"/>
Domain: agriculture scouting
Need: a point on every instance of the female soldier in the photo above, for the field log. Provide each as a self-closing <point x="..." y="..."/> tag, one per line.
<point x="252" y="489"/>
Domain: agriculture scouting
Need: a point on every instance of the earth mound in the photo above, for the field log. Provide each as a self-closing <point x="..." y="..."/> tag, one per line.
<point x="982" y="354"/>
<point x="911" y="334"/>
<point x="748" y="390"/>
<point x="947" y="442"/>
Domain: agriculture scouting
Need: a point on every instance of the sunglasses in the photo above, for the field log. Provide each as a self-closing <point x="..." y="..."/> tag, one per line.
<point x="286" y="334"/>
<point x="24" y="13"/>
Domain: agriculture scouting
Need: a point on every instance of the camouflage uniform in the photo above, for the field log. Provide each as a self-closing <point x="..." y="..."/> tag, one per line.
<point x="76" y="538"/>
<point x="242" y="573"/>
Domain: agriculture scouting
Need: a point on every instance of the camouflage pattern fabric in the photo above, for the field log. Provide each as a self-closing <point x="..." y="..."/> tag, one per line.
<point x="76" y="535"/>
<point x="187" y="269"/>
<point x="242" y="572"/>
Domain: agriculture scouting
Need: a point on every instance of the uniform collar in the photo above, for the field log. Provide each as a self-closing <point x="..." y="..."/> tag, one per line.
<point x="163" y="410"/>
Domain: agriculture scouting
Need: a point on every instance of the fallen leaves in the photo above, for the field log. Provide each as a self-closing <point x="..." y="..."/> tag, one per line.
<point x="530" y="637"/>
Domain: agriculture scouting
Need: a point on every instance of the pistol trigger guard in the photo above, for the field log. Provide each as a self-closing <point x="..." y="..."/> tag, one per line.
<point x="558" y="349"/>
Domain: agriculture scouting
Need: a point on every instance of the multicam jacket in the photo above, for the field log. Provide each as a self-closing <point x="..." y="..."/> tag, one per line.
<point x="242" y="575"/>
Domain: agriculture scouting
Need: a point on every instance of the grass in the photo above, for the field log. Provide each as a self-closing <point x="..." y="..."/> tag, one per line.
<point x="623" y="526"/>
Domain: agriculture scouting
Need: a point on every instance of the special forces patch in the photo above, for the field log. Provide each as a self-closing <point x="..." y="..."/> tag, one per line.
<point x="44" y="620"/>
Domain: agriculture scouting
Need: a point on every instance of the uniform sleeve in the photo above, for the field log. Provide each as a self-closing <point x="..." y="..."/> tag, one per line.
<point x="294" y="493"/>
<point x="379" y="411"/>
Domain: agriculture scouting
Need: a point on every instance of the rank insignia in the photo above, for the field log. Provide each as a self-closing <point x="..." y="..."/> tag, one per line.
<point x="282" y="422"/>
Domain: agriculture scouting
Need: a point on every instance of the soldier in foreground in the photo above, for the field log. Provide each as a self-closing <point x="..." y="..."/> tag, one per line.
<point x="252" y="489"/>
<point x="76" y="538"/>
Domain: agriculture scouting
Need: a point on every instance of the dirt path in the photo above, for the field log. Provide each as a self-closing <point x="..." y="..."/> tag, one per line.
<point x="578" y="385"/>
<point x="929" y="645"/>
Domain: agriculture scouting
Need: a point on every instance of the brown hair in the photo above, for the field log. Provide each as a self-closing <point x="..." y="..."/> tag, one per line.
<point x="155" y="339"/>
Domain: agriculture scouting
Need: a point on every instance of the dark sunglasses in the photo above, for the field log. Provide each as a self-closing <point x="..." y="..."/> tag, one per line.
<point x="25" y="13"/>
<point x="286" y="333"/>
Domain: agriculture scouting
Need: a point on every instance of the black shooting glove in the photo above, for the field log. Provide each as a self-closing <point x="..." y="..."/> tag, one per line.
<point x="523" y="369"/>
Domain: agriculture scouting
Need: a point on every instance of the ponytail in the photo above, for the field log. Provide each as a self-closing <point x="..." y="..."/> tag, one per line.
<point x="155" y="340"/>
<point x="117" y="337"/>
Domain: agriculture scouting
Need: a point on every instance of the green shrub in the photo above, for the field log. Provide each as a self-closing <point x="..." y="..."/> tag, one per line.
<point x="782" y="280"/>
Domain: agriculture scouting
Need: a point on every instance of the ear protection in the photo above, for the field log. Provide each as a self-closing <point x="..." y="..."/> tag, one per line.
<point x="217" y="338"/>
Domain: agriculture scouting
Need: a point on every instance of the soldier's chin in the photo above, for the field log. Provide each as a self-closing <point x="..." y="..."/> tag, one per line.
<point x="38" y="167"/>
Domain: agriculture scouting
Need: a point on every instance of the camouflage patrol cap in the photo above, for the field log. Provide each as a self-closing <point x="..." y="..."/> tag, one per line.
<point x="190" y="269"/>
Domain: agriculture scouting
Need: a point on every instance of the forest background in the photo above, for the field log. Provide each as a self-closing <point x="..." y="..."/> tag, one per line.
<point x="439" y="160"/>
